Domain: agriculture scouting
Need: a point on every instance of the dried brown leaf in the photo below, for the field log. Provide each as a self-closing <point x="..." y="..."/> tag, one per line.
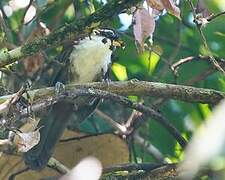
<point x="28" y="140"/>
<point x="202" y="9"/>
<point x="155" y="4"/>
<point x="170" y="6"/>
<point x="33" y="63"/>
<point x="144" y="26"/>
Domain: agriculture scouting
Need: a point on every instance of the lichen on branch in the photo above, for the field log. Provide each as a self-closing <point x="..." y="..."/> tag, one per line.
<point x="66" y="32"/>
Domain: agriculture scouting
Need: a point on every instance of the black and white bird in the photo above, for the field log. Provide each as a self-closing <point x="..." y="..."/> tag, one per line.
<point x="87" y="60"/>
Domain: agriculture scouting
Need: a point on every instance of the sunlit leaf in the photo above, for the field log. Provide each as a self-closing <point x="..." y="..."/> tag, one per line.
<point x="69" y="14"/>
<point x="150" y="61"/>
<point x="133" y="98"/>
<point x="215" y="6"/>
<point x="205" y="110"/>
<point x="222" y="83"/>
<point x="120" y="71"/>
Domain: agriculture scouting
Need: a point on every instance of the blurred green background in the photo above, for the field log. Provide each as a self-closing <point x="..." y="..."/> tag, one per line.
<point x="173" y="39"/>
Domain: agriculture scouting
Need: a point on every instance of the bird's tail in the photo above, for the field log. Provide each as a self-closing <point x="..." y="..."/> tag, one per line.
<point x="53" y="126"/>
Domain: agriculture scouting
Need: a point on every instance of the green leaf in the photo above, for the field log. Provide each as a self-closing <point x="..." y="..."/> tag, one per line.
<point x="120" y="71"/>
<point x="205" y="110"/>
<point x="150" y="61"/>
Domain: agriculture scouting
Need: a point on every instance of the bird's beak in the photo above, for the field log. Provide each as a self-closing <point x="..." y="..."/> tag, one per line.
<point x="118" y="43"/>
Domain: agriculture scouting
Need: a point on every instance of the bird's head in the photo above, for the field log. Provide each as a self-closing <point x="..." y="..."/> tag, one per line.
<point x="109" y="34"/>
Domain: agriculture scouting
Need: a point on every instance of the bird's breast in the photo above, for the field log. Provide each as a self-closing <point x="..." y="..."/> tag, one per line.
<point x="89" y="58"/>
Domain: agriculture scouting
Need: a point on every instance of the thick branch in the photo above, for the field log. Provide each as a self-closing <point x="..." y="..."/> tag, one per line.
<point x="68" y="31"/>
<point x="137" y="88"/>
<point x="166" y="171"/>
<point x="41" y="98"/>
<point x="162" y="90"/>
<point x="41" y="101"/>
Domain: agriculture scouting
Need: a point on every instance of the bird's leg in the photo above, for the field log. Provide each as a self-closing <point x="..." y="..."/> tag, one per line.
<point x="105" y="75"/>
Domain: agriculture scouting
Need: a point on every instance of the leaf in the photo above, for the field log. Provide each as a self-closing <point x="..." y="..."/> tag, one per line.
<point x="34" y="63"/>
<point x="120" y="71"/>
<point x="202" y="9"/>
<point x="150" y="61"/>
<point x="28" y="140"/>
<point x="170" y="6"/>
<point x="215" y="6"/>
<point x="155" y="4"/>
<point x="144" y="26"/>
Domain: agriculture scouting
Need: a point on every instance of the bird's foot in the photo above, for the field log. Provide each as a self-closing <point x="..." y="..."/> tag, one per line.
<point x="92" y="101"/>
<point x="59" y="88"/>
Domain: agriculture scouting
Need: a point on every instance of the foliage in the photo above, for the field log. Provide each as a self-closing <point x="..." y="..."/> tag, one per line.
<point x="158" y="39"/>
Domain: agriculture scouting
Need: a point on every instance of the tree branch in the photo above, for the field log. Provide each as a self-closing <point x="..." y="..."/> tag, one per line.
<point x="58" y="166"/>
<point x="204" y="41"/>
<point x="68" y="31"/>
<point x="72" y="95"/>
<point x="44" y="97"/>
<point x="149" y="171"/>
<point x="136" y="88"/>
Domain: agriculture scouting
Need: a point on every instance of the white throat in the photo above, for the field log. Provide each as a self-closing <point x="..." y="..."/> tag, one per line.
<point x="89" y="58"/>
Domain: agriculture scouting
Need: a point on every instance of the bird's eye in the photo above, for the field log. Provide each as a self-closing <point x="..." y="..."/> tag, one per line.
<point x="104" y="40"/>
<point x="108" y="33"/>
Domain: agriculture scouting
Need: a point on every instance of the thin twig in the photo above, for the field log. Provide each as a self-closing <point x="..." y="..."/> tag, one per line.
<point x="185" y="60"/>
<point x="213" y="17"/>
<point x="132" y="118"/>
<point x="121" y="128"/>
<point x="83" y="137"/>
<point x="132" y="167"/>
<point x="211" y="57"/>
<point x="199" y="27"/>
<point x="58" y="166"/>
<point x="149" y="147"/>
<point x="128" y="103"/>
<point x="12" y="176"/>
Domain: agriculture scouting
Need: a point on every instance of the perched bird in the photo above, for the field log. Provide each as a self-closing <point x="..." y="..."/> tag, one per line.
<point x="87" y="60"/>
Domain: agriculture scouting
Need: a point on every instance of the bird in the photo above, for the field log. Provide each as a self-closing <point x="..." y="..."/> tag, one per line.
<point x="86" y="60"/>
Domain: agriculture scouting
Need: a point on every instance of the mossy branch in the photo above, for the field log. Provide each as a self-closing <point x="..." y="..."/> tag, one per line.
<point x="135" y="88"/>
<point x="66" y="32"/>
